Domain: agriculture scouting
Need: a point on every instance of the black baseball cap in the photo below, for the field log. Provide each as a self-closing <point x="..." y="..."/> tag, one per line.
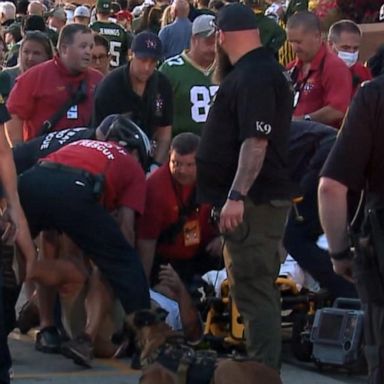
<point x="147" y="45"/>
<point x="236" y="17"/>
<point x="34" y="23"/>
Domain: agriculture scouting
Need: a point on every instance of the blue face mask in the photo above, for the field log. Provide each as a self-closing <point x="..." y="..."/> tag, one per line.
<point x="349" y="58"/>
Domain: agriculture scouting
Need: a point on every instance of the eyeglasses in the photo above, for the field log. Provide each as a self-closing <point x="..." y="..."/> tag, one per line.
<point x="99" y="57"/>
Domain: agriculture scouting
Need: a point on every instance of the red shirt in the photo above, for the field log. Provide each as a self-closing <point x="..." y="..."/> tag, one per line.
<point x="360" y="73"/>
<point x="328" y="83"/>
<point x="164" y="200"/>
<point x="124" y="177"/>
<point x="42" y="90"/>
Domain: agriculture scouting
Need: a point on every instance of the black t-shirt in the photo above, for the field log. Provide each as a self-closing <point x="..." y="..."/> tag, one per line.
<point x="309" y="145"/>
<point x="254" y="100"/>
<point x="357" y="159"/>
<point x="115" y="95"/>
<point x="27" y="154"/>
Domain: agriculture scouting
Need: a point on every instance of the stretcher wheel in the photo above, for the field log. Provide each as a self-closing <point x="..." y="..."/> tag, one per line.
<point x="301" y="344"/>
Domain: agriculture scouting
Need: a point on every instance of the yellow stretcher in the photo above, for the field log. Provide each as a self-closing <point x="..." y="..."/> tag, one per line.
<point x="223" y="322"/>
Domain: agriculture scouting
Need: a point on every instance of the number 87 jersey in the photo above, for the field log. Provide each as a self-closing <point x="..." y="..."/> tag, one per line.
<point x="193" y="93"/>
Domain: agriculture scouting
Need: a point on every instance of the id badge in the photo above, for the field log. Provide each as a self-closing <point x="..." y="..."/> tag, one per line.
<point x="191" y="231"/>
<point x="72" y="113"/>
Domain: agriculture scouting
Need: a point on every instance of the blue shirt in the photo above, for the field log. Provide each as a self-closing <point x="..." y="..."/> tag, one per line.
<point x="175" y="37"/>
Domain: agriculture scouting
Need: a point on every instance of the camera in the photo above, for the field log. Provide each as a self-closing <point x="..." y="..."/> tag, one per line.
<point x="215" y="215"/>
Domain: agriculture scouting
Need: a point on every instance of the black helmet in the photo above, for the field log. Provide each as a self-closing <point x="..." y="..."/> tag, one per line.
<point x="127" y="134"/>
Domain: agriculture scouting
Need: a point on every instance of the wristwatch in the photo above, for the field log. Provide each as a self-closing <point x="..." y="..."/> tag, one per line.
<point x="307" y="117"/>
<point x="235" y="195"/>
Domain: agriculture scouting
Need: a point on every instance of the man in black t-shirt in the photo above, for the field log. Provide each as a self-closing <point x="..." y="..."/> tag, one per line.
<point x="356" y="162"/>
<point x="309" y="145"/>
<point x="142" y="93"/>
<point x="242" y="167"/>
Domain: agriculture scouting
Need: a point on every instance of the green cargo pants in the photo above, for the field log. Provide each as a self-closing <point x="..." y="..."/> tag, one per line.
<point x="253" y="264"/>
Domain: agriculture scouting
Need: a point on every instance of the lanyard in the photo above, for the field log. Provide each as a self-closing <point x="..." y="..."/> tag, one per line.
<point x="300" y="85"/>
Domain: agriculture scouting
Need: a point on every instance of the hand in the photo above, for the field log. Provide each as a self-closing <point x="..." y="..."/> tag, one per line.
<point x="231" y="216"/>
<point x="343" y="268"/>
<point x="215" y="247"/>
<point x="170" y="281"/>
<point x="9" y="225"/>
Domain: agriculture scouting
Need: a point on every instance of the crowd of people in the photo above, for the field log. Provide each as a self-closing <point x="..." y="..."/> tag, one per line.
<point x="144" y="144"/>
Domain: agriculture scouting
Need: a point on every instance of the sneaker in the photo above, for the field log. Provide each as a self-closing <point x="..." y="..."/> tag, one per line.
<point x="80" y="350"/>
<point x="48" y="340"/>
<point x="28" y="317"/>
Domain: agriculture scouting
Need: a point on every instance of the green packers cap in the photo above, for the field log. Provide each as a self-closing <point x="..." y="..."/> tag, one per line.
<point x="58" y="12"/>
<point x="104" y="6"/>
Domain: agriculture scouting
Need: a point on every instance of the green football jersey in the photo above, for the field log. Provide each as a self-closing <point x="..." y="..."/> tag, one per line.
<point x="192" y="93"/>
<point x="118" y="40"/>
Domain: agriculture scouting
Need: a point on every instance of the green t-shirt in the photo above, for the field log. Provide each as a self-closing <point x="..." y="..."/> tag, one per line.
<point x="7" y="80"/>
<point x="118" y="40"/>
<point x="192" y="93"/>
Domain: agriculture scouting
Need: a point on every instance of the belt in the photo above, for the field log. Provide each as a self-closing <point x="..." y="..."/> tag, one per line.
<point x="62" y="167"/>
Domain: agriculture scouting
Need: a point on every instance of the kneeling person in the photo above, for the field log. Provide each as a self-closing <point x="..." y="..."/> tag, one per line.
<point x="174" y="228"/>
<point x="87" y="180"/>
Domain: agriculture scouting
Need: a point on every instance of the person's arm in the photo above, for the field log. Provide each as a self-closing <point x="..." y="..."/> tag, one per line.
<point x="162" y="136"/>
<point x="333" y="213"/>
<point x="146" y="249"/>
<point x="126" y="221"/>
<point x="332" y="197"/>
<point x="14" y="130"/>
<point x="176" y="290"/>
<point x="251" y="158"/>
<point x="17" y="227"/>
<point x="163" y="36"/>
<point x="215" y="247"/>
<point x="326" y="115"/>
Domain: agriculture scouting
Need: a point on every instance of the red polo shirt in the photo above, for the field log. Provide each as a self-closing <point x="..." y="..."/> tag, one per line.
<point x="163" y="203"/>
<point x="124" y="178"/>
<point x="42" y="90"/>
<point x="328" y="83"/>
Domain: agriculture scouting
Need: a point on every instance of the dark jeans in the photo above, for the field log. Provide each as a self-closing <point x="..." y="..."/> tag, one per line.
<point x="300" y="240"/>
<point x="5" y="357"/>
<point x="374" y="341"/>
<point x="63" y="201"/>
